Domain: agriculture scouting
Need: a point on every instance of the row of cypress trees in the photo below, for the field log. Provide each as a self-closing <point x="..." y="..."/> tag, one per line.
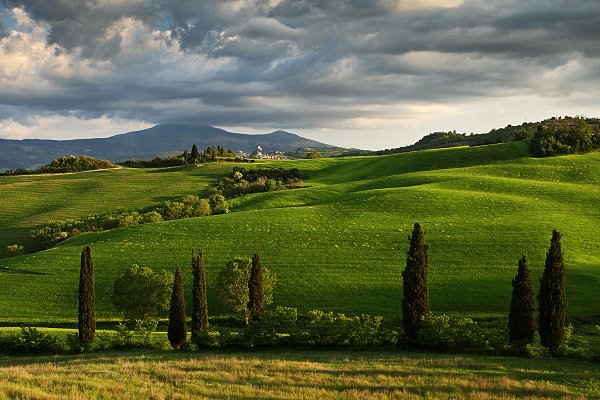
<point x="551" y="299"/>
<point x="521" y="318"/>
<point x="177" y="331"/>
<point x="415" y="302"/>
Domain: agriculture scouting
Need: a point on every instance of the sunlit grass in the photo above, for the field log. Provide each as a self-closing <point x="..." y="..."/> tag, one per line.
<point x="285" y="374"/>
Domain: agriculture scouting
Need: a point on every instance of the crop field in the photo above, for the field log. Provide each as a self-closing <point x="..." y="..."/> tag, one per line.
<point x="339" y="244"/>
<point x="293" y="374"/>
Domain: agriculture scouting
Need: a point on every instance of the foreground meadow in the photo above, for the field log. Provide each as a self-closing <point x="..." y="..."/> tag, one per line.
<point x="294" y="374"/>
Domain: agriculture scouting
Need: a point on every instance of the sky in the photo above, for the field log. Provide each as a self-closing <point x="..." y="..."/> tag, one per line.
<point x="354" y="73"/>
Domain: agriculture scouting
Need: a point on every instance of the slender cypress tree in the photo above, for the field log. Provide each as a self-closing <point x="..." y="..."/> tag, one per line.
<point x="200" y="306"/>
<point x="415" y="303"/>
<point x="177" y="324"/>
<point x="552" y="299"/>
<point x="195" y="154"/>
<point x="256" y="289"/>
<point x="521" y="318"/>
<point x="87" y="298"/>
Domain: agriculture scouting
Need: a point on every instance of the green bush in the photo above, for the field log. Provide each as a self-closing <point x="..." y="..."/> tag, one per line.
<point x="142" y="293"/>
<point x="326" y="329"/>
<point x="444" y="333"/>
<point x="140" y="337"/>
<point x="31" y="341"/>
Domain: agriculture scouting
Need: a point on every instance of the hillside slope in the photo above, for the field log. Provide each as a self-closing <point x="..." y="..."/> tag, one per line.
<point x="341" y="243"/>
<point x="144" y="144"/>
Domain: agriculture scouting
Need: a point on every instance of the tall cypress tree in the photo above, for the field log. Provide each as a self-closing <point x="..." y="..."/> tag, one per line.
<point x="200" y="306"/>
<point x="195" y="154"/>
<point x="415" y="303"/>
<point x="177" y="325"/>
<point x="552" y="299"/>
<point x="521" y="318"/>
<point x="256" y="289"/>
<point x="87" y="298"/>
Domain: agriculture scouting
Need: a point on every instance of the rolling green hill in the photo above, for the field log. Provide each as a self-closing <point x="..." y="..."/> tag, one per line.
<point x="339" y="244"/>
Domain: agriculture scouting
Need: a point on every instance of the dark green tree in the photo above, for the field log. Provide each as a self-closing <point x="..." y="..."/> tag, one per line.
<point x="195" y="154"/>
<point x="142" y="293"/>
<point x="87" y="298"/>
<point x="256" y="289"/>
<point x="232" y="286"/>
<point x="415" y="303"/>
<point x="521" y="318"/>
<point x="200" y="306"/>
<point x="177" y="324"/>
<point x="186" y="156"/>
<point x="552" y="299"/>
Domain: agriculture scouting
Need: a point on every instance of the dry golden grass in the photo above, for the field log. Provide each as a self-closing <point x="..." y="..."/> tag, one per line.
<point x="293" y="374"/>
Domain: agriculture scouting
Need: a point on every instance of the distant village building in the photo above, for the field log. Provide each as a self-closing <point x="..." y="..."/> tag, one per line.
<point x="259" y="154"/>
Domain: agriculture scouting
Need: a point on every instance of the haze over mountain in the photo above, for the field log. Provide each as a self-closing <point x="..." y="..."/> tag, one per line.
<point x="144" y="144"/>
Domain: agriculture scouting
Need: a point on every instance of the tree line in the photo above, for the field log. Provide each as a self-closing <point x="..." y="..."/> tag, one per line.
<point x="193" y="156"/>
<point x="65" y="164"/>
<point x="246" y="287"/>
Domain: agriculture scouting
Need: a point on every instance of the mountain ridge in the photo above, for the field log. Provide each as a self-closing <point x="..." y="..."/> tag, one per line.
<point x="159" y="140"/>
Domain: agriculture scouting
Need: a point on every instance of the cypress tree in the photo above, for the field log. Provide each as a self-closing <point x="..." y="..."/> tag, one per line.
<point x="415" y="303"/>
<point x="552" y="299"/>
<point x="195" y="154"/>
<point x="177" y="325"/>
<point x="87" y="298"/>
<point x="256" y="289"/>
<point x="521" y="318"/>
<point x="200" y="306"/>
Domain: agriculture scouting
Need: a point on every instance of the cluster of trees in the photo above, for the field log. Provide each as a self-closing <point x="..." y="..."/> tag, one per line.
<point x="521" y="318"/>
<point x="564" y="136"/>
<point x="195" y="156"/>
<point x="65" y="164"/>
<point x="186" y="207"/>
<point x="141" y="294"/>
<point x="244" y="181"/>
<point x="209" y="154"/>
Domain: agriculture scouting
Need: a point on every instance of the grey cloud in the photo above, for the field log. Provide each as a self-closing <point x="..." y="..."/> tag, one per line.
<point x="310" y="63"/>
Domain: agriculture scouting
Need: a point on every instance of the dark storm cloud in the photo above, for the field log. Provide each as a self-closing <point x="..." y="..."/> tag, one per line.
<point x="302" y="62"/>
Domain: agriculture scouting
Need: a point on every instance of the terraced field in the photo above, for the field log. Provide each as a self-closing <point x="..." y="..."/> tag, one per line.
<point x="341" y="243"/>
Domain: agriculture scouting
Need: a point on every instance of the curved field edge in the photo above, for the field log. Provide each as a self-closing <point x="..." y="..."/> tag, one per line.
<point x="295" y="374"/>
<point x="341" y="243"/>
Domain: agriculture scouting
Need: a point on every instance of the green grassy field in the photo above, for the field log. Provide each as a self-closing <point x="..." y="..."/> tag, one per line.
<point x="339" y="244"/>
<point x="292" y="374"/>
<point x="30" y="201"/>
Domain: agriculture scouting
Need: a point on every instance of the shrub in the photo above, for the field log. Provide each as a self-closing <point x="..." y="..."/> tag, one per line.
<point x="142" y="293"/>
<point x="30" y="341"/>
<point x="218" y="204"/>
<point x="140" y="337"/>
<point x="326" y="329"/>
<point x="15" y="249"/>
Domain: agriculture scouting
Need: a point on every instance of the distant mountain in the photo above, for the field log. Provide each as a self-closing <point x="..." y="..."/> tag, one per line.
<point x="159" y="140"/>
